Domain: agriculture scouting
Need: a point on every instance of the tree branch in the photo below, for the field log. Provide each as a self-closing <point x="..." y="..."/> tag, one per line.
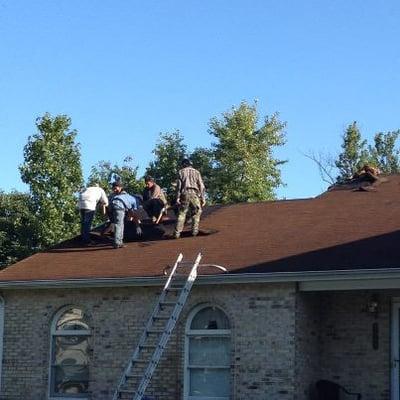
<point x="324" y="165"/>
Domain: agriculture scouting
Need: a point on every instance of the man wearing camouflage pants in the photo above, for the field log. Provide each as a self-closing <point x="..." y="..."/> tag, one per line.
<point x="190" y="194"/>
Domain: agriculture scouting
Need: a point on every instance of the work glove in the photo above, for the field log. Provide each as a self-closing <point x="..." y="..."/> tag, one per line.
<point x="139" y="231"/>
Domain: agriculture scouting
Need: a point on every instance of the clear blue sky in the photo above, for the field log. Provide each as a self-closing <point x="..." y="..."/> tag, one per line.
<point x="126" y="70"/>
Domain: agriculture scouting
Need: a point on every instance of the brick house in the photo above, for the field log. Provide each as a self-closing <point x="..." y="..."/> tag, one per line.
<point x="312" y="292"/>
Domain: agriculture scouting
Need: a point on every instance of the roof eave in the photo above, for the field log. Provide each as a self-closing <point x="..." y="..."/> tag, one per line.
<point x="307" y="280"/>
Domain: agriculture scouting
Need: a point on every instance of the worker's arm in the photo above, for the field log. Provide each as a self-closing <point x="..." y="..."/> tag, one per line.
<point x="178" y="190"/>
<point x="202" y="190"/>
<point x="103" y="198"/>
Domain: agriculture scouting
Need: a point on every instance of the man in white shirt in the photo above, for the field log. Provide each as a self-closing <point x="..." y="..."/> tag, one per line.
<point x="88" y="200"/>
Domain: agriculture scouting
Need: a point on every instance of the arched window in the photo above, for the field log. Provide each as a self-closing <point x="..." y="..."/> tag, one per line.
<point x="207" y="355"/>
<point x="69" y="372"/>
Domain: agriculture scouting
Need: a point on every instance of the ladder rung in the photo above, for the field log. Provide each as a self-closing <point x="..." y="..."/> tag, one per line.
<point x="139" y="361"/>
<point x="148" y="346"/>
<point x="155" y="330"/>
<point x="167" y="303"/>
<point x="174" y="289"/>
<point x="163" y="317"/>
<point x="134" y="375"/>
<point x="127" y="391"/>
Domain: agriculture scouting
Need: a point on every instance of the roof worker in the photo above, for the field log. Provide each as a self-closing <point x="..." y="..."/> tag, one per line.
<point x="190" y="195"/>
<point x="88" y="200"/>
<point x="154" y="200"/>
<point x="122" y="203"/>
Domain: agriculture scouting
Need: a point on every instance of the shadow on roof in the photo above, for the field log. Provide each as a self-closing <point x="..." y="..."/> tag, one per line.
<point x="372" y="253"/>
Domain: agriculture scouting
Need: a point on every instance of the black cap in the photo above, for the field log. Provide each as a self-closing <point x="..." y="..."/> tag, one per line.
<point x="186" y="162"/>
<point x="117" y="184"/>
<point x="148" y="178"/>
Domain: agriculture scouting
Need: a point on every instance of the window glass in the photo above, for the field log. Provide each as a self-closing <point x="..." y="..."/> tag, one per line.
<point x="70" y="355"/>
<point x="70" y="379"/>
<point x="209" y="382"/>
<point x="210" y="318"/>
<point x="209" y="351"/>
<point x="208" y="357"/>
<point x="72" y="319"/>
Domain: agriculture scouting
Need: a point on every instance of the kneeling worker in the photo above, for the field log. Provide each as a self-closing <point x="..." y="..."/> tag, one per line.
<point x="154" y="199"/>
<point x="190" y="194"/>
<point x="121" y="203"/>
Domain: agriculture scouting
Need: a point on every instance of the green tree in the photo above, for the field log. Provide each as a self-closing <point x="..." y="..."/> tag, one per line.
<point x="354" y="153"/>
<point x="245" y="166"/>
<point x="104" y="173"/>
<point x="384" y="154"/>
<point x="18" y="227"/>
<point x="52" y="169"/>
<point x="169" y="152"/>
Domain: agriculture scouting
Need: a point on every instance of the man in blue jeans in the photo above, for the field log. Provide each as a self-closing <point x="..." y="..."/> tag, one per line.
<point x="122" y="203"/>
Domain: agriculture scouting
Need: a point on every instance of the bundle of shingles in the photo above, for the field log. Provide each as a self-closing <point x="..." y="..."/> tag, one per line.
<point x="367" y="179"/>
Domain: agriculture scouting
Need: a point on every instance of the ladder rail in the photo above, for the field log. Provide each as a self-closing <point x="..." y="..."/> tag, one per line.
<point x="155" y="358"/>
<point x="148" y="325"/>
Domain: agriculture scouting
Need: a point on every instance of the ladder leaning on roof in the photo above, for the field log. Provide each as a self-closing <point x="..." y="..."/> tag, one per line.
<point x="159" y="327"/>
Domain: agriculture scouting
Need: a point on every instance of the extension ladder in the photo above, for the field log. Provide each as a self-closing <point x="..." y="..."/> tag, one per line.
<point x="159" y="327"/>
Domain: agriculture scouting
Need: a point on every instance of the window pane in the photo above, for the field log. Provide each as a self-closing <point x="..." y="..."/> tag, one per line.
<point x="70" y="364"/>
<point x="210" y="318"/>
<point x="71" y="350"/>
<point x="206" y="382"/>
<point x="72" y="319"/>
<point x="70" y="379"/>
<point x="209" y="351"/>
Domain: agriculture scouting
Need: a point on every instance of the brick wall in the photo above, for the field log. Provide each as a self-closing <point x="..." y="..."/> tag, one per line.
<point x="262" y="326"/>
<point x="347" y="354"/>
<point x="282" y="341"/>
<point x="308" y="349"/>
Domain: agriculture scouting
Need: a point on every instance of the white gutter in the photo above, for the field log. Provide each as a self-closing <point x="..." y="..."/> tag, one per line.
<point x="307" y="280"/>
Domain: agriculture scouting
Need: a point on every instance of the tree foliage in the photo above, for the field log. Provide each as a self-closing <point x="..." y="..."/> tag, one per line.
<point x="384" y="154"/>
<point x="245" y="166"/>
<point x="240" y="166"/>
<point x="168" y="155"/>
<point x="18" y="227"/>
<point x="52" y="169"/>
<point x="104" y="173"/>
<point x="354" y="153"/>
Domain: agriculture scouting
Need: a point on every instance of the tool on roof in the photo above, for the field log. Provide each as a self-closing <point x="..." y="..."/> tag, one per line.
<point x="162" y="212"/>
<point x="159" y="327"/>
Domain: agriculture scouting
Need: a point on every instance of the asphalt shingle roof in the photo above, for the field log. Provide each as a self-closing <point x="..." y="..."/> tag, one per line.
<point x="339" y="230"/>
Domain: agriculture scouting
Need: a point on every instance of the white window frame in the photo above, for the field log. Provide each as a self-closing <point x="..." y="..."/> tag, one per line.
<point x="206" y="333"/>
<point x="54" y="333"/>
